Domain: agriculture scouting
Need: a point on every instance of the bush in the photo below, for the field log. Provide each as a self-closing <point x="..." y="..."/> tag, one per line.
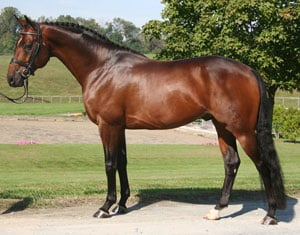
<point x="286" y="122"/>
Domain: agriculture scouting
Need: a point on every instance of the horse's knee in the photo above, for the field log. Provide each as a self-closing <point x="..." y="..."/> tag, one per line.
<point x="110" y="167"/>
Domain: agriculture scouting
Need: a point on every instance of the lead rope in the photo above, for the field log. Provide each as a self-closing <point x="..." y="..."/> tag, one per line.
<point x="22" y="98"/>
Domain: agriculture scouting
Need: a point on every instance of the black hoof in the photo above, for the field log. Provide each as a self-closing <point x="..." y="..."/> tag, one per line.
<point x="119" y="210"/>
<point x="267" y="220"/>
<point x="100" y="214"/>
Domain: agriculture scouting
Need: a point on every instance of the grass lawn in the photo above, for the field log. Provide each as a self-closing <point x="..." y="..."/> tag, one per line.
<point x="189" y="172"/>
<point x="53" y="79"/>
<point x="40" y="109"/>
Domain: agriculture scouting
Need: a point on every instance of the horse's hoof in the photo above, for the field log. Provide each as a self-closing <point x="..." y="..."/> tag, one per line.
<point x="119" y="210"/>
<point x="100" y="214"/>
<point x="269" y="220"/>
<point x="213" y="214"/>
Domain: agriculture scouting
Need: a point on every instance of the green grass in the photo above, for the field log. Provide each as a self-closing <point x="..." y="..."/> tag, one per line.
<point x="53" y="79"/>
<point x="41" y="172"/>
<point x="40" y="109"/>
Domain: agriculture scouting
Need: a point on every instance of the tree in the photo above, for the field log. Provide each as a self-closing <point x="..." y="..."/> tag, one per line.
<point x="89" y="23"/>
<point x="278" y="119"/>
<point x="119" y="31"/>
<point x="125" y="33"/>
<point x="265" y="34"/>
<point x="153" y="34"/>
<point x="8" y="29"/>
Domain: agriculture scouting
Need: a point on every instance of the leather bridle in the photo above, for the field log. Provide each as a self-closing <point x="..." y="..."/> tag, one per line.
<point x="29" y="67"/>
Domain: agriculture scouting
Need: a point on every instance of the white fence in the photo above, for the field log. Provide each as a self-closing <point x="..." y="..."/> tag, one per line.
<point x="285" y="101"/>
<point x="51" y="99"/>
<point x="55" y="99"/>
<point x="288" y="102"/>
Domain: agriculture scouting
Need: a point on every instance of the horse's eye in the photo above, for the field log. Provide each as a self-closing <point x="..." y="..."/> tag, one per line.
<point x="28" y="47"/>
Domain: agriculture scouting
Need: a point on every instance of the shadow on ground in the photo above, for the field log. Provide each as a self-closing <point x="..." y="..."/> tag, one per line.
<point x="19" y="205"/>
<point x="250" y="200"/>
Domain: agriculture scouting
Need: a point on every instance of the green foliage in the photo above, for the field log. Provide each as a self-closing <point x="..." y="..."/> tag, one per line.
<point x="89" y="23"/>
<point x="125" y="33"/>
<point x="119" y="31"/>
<point x="286" y="122"/>
<point x="263" y="34"/>
<point x="8" y="33"/>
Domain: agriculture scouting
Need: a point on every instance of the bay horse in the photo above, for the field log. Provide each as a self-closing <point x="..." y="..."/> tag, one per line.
<point x="123" y="89"/>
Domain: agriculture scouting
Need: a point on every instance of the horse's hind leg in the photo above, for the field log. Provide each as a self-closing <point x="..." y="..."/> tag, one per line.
<point x="231" y="158"/>
<point x="249" y="144"/>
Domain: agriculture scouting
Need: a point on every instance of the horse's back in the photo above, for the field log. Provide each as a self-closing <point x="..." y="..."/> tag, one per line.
<point x="173" y="93"/>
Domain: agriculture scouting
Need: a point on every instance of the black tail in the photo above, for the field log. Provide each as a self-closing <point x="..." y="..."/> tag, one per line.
<point x="270" y="170"/>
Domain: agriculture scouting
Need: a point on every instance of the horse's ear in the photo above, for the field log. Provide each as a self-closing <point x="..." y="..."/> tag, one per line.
<point x="29" y="22"/>
<point x="21" y="21"/>
<point x="17" y="18"/>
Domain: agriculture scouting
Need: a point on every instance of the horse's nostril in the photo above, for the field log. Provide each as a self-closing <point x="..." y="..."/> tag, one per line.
<point x="11" y="80"/>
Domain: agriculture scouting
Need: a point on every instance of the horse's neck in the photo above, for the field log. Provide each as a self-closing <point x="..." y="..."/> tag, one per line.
<point x="78" y="56"/>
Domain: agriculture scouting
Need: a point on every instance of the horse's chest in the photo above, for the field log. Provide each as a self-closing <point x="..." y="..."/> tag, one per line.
<point x="104" y="111"/>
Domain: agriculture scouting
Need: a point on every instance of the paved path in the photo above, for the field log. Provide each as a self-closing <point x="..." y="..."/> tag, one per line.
<point x="165" y="217"/>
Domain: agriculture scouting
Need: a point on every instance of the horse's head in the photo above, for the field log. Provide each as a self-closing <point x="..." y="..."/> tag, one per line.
<point x="30" y="53"/>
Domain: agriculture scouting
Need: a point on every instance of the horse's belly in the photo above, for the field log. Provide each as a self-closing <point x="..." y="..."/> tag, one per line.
<point x="161" y="119"/>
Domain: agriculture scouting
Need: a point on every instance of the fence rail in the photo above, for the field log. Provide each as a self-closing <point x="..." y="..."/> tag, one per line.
<point x="288" y="102"/>
<point x="51" y="99"/>
<point x="285" y="101"/>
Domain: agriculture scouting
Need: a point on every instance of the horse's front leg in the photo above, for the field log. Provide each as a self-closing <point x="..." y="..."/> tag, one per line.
<point x="111" y="137"/>
<point x="122" y="171"/>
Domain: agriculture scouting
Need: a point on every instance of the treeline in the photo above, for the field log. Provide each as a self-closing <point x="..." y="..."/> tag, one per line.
<point x="120" y="31"/>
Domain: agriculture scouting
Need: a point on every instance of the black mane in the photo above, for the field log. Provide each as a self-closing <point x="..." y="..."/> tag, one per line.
<point x="89" y="33"/>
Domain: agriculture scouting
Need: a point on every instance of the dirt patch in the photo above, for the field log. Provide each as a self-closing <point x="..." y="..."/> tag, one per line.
<point x="60" y="130"/>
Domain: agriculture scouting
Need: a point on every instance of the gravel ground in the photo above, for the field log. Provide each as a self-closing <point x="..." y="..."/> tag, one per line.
<point x="164" y="217"/>
<point x="80" y="130"/>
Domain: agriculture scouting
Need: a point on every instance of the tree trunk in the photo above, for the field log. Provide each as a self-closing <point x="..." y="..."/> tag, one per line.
<point x="271" y="97"/>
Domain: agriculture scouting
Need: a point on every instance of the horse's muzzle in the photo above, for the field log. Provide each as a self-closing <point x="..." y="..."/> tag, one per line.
<point x="15" y="79"/>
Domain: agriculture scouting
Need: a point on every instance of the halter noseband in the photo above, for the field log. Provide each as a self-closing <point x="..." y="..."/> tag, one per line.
<point x="29" y="68"/>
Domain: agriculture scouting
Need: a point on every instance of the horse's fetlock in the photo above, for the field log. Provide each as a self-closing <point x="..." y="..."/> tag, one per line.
<point x="112" y="199"/>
